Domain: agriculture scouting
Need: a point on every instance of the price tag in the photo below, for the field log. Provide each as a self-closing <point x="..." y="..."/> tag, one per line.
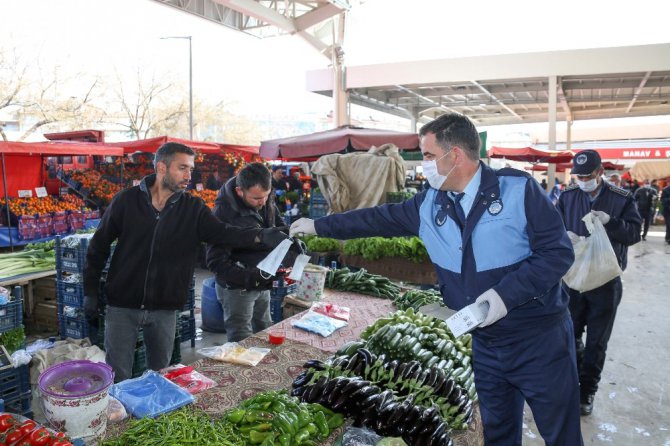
<point x="468" y="318"/>
<point x="136" y="182"/>
<point x="26" y="193"/>
<point x="41" y="192"/>
<point x="199" y="187"/>
<point x="64" y="191"/>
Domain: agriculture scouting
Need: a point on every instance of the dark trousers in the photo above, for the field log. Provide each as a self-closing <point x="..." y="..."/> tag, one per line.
<point x="538" y="368"/>
<point x="666" y="216"/>
<point x="647" y="215"/>
<point x="593" y="312"/>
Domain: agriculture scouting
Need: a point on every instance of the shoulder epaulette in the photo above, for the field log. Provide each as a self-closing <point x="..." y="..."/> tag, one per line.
<point x="571" y="187"/>
<point x="618" y="190"/>
<point x="511" y="172"/>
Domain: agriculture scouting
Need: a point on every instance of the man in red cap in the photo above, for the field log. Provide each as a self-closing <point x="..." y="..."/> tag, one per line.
<point x="596" y="309"/>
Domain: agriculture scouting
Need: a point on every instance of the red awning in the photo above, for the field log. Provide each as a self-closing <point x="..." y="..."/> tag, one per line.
<point x="152" y="144"/>
<point x="531" y="155"/>
<point x="252" y="150"/>
<point x="333" y="141"/>
<point x="561" y="167"/>
<point x="59" y="148"/>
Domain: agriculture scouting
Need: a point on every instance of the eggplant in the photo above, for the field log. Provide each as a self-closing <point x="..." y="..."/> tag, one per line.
<point x="448" y="387"/>
<point x="297" y="391"/>
<point x="462" y="401"/>
<point x="337" y="390"/>
<point x="366" y="354"/>
<point x="384" y="399"/>
<point x="455" y="395"/>
<point x="413" y="415"/>
<point x="391" y="365"/>
<point x="314" y="364"/>
<point x="302" y="379"/>
<point x="353" y="361"/>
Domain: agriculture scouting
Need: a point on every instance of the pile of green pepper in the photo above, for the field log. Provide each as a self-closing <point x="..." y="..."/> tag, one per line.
<point x="275" y="418"/>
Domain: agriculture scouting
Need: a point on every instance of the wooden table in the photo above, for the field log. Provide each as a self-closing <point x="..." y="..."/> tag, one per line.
<point x="25" y="280"/>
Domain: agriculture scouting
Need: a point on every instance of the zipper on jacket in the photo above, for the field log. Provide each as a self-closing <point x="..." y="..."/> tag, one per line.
<point x="151" y="256"/>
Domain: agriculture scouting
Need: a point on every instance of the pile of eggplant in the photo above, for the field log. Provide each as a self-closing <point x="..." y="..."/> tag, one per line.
<point x="428" y="387"/>
<point x="379" y="410"/>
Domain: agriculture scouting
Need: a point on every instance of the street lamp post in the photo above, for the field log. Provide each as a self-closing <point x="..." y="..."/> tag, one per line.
<point x="190" y="82"/>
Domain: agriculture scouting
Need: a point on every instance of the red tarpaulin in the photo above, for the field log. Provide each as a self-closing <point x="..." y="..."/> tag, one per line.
<point x="210" y="148"/>
<point x="333" y="141"/>
<point x="531" y="155"/>
<point x="23" y="160"/>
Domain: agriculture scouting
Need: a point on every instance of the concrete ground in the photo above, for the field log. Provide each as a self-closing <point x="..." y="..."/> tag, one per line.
<point x="631" y="407"/>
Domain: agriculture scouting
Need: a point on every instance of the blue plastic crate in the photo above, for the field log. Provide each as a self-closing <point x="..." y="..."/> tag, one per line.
<point x="318" y="211"/>
<point x="281" y="291"/>
<point x="71" y="260"/>
<point x="21" y="404"/>
<point x="70" y="327"/>
<point x="11" y="315"/>
<point x="317" y="198"/>
<point x="277" y="309"/>
<point x="14" y="382"/>
<point x="71" y="294"/>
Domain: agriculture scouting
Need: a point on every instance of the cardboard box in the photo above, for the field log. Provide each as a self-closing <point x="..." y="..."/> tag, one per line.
<point x="395" y="268"/>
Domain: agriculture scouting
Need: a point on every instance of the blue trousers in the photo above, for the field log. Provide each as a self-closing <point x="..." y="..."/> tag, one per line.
<point x="122" y="327"/>
<point x="244" y="312"/>
<point x="539" y="369"/>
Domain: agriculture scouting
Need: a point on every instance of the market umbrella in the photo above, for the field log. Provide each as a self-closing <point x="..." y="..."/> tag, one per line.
<point x="531" y="155"/>
<point x="345" y="138"/>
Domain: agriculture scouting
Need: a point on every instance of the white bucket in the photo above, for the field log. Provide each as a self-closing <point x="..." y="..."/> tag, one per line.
<point x="310" y="287"/>
<point x="75" y="395"/>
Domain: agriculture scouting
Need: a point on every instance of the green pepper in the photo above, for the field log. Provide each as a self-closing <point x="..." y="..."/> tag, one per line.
<point x="269" y="441"/>
<point x="278" y="406"/>
<point x="304" y="418"/>
<point x="253" y="416"/>
<point x="336" y="421"/>
<point x="311" y="428"/>
<point x="285" y="439"/>
<point x="322" y="424"/>
<point x="316" y="407"/>
<point x="256" y="437"/>
<point x="302" y="435"/>
<point x="235" y="416"/>
<point x="283" y="423"/>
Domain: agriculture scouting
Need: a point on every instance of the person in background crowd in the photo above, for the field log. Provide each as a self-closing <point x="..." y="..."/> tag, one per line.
<point x="294" y="183"/>
<point x="654" y="185"/>
<point x="495" y="238"/>
<point x="278" y="180"/>
<point x="158" y="230"/>
<point x="646" y="197"/>
<point x="615" y="180"/>
<point x="555" y="191"/>
<point x="213" y="182"/>
<point x="634" y="186"/>
<point x="242" y="289"/>
<point x="594" y="311"/>
<point x="665" y="202"/>
<point x="543" y="184"/>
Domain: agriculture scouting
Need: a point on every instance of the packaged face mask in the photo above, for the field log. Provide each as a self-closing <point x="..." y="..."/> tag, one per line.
<point x="299" y="266"/>
<point x="272" y="262"/>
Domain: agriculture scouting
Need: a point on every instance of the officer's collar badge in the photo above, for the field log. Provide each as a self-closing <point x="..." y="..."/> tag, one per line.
<point x="495" y="207"/>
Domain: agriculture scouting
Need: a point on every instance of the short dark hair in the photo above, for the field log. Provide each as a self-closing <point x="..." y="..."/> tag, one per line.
<point x="454" y="129"/>
<point x="254" y="174"/>
<point x="167" y="151"/>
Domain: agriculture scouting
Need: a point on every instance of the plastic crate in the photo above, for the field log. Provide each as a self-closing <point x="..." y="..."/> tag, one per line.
<point x="11" y="315"/>
<point x="20" y="405"/>
<point x="72" y="260"/>
<point x="176" y="351"/>
<point x="277" y="309"/>
<point x="14" y="382"/>
<point x="186" y="328"/>
<point x="318" y="211"/>
<point x="70" y="327"/>
<point x="70" y="293"/>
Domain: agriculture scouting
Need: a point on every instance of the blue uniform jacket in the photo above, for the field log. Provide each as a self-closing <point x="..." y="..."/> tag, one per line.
<point x="623" y="229"/>
<point x="514" y="241"/>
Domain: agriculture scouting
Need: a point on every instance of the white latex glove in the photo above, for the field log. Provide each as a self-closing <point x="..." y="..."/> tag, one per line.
<point x="604" y="217"/>
<point x="574" y="238"/>
<point x="302" y="226"/>
<point x="497" y="308"/>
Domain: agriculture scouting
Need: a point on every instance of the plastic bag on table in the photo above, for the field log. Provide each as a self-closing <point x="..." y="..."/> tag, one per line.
<point x="235" y="353"/>
<point x="331" y="310"/>
<point x="150" y="395"/>
<point x="318" y="323"/>
<point x="188" y="378"/>
<point x="595" y="262"/>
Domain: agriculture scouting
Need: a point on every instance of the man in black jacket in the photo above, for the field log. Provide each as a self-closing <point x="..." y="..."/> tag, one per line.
<point x="158" y="230"/>
<point x="646" y="197"/>
<point x="242" y="289"/>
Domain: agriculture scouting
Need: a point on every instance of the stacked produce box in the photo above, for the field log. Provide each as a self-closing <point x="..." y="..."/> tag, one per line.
<point x="70" y="264"/>
<point x="15" y="392"/>
<point x="318" y="206"/>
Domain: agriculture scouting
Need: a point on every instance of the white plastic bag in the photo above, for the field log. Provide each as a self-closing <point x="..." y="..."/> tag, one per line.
<point x="595" y="262"/>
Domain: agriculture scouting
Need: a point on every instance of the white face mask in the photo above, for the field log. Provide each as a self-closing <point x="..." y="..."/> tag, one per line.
<point x="435" y="179"/>
<point x="588" y="186"/>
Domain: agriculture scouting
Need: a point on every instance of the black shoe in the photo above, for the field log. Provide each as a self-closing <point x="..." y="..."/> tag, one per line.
<point x="644" y="239"/>
<point x="586" y="405"/>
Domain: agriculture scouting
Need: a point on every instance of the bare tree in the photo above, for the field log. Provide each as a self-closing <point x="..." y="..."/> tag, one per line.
<point x="148" y="110"/>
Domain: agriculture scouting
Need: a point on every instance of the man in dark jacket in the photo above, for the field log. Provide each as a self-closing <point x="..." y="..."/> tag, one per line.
<point x="594" y="311"/>
<point x="665" y="202"/>
<point x="158" y="230"/>
<point x="242" y="289"/>
<point x="646" y="197"/>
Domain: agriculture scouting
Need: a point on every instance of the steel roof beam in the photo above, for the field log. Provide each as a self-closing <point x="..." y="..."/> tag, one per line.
<point x="498" y="101"/>
<point x="638" y="91"/>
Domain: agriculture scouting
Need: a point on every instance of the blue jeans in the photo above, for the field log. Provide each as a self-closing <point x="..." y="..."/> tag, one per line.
<point x="121" y="330"/>
<point x="244" y="312"/>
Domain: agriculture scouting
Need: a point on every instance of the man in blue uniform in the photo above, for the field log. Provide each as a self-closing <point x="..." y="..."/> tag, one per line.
<point x="492" y="236"/>
<point x="594" y="311"/>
